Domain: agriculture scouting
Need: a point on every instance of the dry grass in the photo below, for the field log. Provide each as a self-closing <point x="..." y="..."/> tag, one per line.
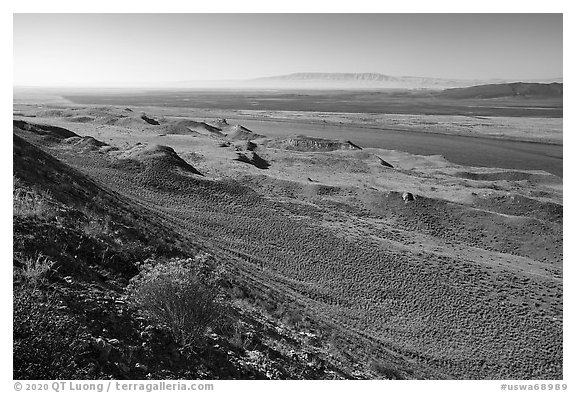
<point x="29" y="203"/>
<point x="33" y="272"/>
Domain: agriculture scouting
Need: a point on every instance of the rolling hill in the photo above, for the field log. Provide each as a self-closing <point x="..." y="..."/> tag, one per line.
<point x="318" y="266"/>
<point x="503" y="90"/>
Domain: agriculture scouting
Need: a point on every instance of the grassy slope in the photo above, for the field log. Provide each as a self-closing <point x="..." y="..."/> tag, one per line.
<point x="76" y="245"/>
<point x="368" y="298"/>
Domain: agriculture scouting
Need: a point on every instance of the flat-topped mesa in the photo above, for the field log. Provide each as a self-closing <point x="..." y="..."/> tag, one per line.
<point x="306" y="143"/>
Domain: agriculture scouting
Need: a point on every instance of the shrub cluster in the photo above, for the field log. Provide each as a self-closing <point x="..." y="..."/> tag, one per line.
<point x="172" y="294"/>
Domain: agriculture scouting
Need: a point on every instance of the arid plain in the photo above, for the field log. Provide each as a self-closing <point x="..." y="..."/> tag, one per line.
<point x="343" y="258"/>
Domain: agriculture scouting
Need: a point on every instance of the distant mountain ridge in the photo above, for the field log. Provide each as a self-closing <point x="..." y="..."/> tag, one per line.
<point x="337" y="81"/>
<point x="348" y="76"/>
<point x="367" y="79"/>
<point x="372" y="80"/>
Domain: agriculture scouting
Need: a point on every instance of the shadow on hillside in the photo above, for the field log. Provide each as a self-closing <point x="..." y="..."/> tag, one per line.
<point x="256" y="160"/>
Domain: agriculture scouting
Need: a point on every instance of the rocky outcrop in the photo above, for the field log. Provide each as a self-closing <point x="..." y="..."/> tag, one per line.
<point x="305" y="143"/>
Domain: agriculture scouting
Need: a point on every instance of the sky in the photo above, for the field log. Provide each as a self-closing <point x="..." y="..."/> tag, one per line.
<point x="148" y="49"/>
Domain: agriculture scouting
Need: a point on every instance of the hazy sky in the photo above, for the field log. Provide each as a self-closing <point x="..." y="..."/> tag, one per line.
<point x="119" y="49"/>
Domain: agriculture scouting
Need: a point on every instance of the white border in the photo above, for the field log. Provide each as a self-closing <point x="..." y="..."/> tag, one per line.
<point x="247" y="6"/>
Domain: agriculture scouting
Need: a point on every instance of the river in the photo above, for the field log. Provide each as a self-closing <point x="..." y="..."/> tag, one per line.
<point x="463" y="150"/>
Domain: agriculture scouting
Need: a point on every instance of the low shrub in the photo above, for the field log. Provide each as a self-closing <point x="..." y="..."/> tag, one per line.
<point x="172" y="294"/>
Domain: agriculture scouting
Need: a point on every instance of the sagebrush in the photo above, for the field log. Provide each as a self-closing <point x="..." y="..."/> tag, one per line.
<point x="171" y="293"/>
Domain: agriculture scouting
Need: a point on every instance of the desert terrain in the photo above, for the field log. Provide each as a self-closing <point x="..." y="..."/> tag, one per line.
<point x="400" y="244"/>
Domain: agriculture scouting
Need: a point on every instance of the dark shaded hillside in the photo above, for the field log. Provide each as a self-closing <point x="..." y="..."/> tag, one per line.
<point x="76" y="246"/>
<point x="519" y="89"/>
<point x="41" y="129"/>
